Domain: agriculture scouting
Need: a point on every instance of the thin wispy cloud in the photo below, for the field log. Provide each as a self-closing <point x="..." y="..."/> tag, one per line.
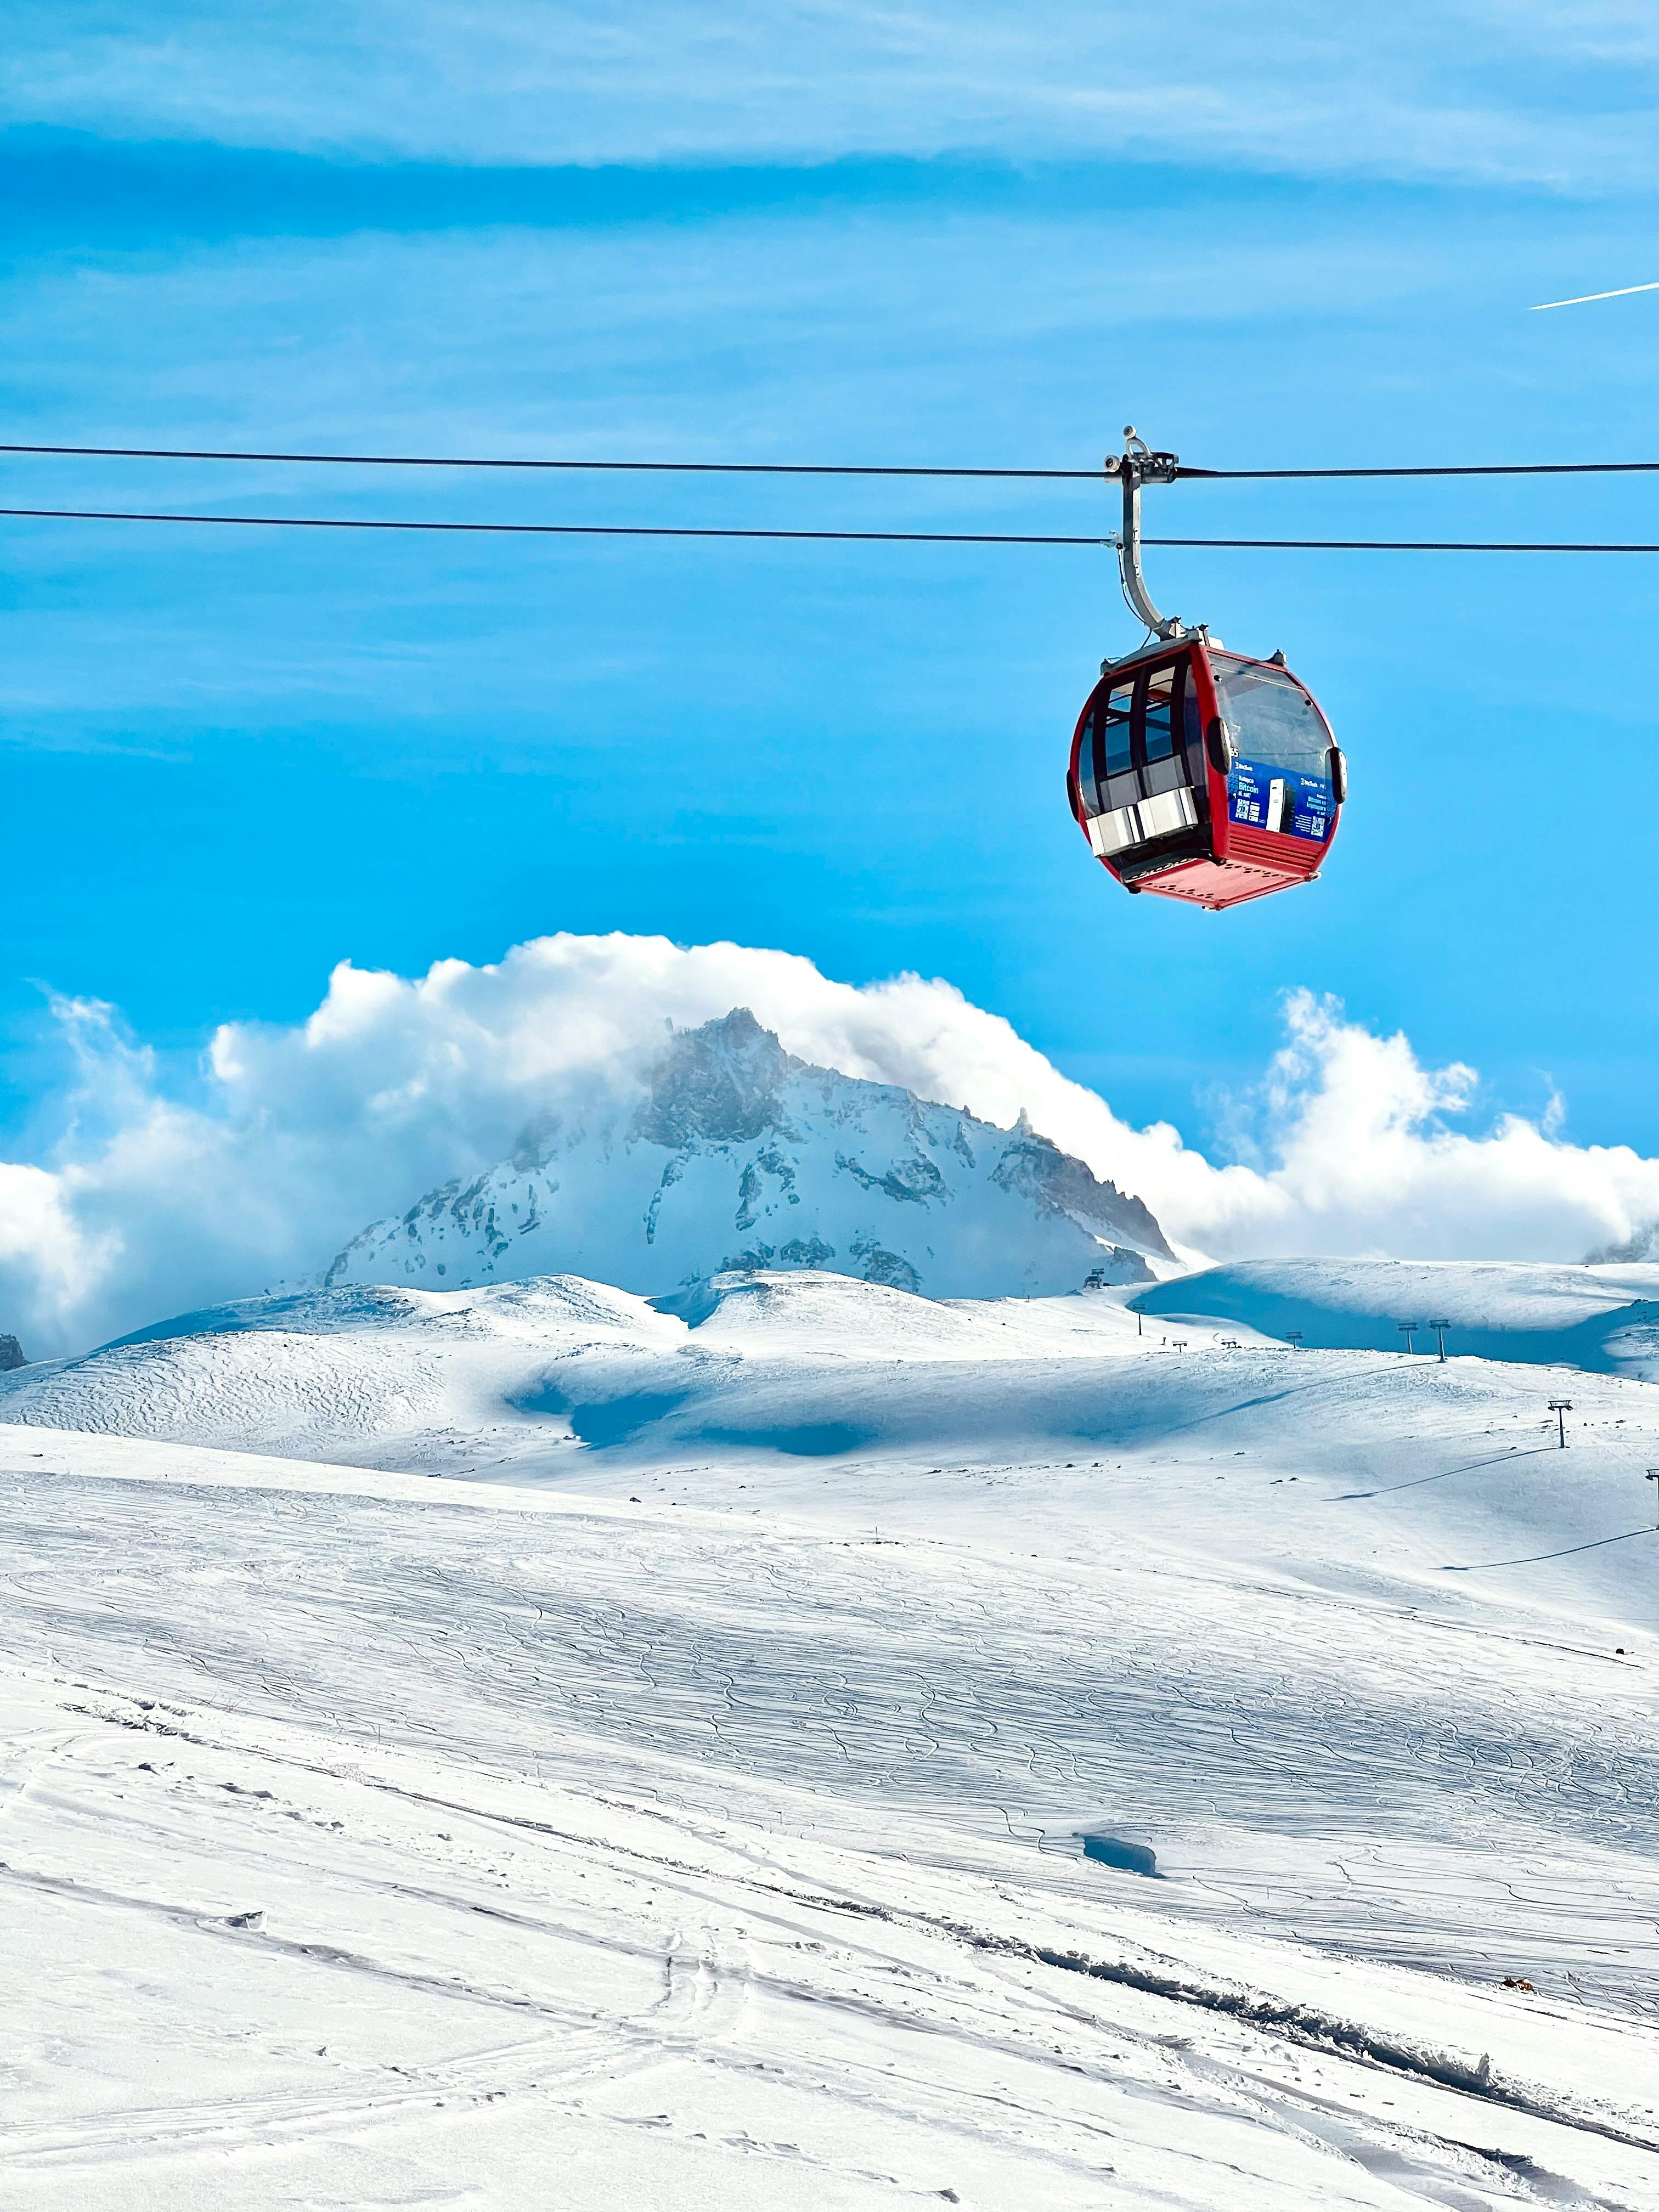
<point x="823" y="336"/>
<point x="1465" y="91"/>
<point x="1583" y="299"/>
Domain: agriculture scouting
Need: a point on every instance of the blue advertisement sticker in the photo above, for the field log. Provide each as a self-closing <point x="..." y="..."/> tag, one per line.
<point x="1278" y="798"/>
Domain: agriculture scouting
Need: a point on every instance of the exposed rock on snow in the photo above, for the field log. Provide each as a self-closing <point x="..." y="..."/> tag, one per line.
<point x="11" y="1354"/>
<point x="740" y="1156"/>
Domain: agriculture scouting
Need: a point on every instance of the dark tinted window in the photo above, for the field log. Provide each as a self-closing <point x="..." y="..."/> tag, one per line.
<point x="1143" y="742"/>
<point x="1116" y="722"/>
<point x="1161" y="686"/>
<point x="1086" y="767"/>
<point x="1191" y="720"/>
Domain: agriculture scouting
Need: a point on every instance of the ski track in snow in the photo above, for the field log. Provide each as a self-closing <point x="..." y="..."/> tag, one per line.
<point x="698" y="1821"/>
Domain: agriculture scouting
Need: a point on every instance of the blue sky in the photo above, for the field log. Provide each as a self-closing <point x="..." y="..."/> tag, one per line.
<point x="968" y="235"/>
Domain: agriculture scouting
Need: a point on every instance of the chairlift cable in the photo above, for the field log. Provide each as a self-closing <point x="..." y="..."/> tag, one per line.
<point x="476" y="461"/>
<point x="819" y="536"/>
<point x="1472" y="469"/>
<point x="1405" y="544"/>
<point x="805" y="468"/>
<point x="549" y="529"/>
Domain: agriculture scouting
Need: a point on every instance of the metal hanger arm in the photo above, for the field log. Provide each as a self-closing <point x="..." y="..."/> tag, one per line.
<point x="1135" y="466"/>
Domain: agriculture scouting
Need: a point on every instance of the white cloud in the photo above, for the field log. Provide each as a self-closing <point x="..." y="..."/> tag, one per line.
<point x="151" y="1202"/>
<point x="1539" y="92"/>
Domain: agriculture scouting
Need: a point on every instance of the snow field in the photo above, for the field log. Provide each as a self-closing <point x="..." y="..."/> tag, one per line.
<point x="1595" y="1318"/>
<point x="390" y="1886"/>
<point x="688" y="1806"/>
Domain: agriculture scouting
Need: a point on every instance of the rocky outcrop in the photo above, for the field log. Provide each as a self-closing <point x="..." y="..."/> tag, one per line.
<point x="1053" y="1179"/>
<point x="719" y="1085"/>
<point x="11" y="1355"/>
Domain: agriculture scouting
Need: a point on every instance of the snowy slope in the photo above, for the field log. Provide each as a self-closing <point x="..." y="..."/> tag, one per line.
<point x="696" y="1808"/>
<point x="737" y="1155"/>
<point x="816" y="1392"/>
<point x="1602" y="1318"/>
<point x="370" y="1840"/>
<point x="788" y="1375"/>
<point x="529" y="1370"/>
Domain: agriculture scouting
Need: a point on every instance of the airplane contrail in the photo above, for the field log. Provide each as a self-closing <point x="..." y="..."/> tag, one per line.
<point x="1585" y="298"/>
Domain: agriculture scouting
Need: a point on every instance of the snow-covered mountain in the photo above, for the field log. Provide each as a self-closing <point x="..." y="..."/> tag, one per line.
<point x="735" y="1155"/>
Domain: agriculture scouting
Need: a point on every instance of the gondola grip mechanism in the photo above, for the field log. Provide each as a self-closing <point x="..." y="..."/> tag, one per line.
<point x="1137" y="465"/>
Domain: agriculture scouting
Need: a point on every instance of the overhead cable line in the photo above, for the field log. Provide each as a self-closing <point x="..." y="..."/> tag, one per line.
<point x="832" y="536"/>
<point x="1470" y="469"/>
<point x="474" y="461"/>
<point x="805" y="468"/>
<point x="1405" y="544"/>
<point x="549" y="529"/>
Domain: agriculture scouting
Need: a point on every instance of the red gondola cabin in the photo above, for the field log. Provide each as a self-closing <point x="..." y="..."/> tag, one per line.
<point x="1204" y="776"/>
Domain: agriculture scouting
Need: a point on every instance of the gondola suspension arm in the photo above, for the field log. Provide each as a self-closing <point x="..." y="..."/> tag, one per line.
<point x="1137" y="465"/>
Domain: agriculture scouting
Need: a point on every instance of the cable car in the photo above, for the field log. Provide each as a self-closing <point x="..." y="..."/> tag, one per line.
<point x="1197" y="773"/>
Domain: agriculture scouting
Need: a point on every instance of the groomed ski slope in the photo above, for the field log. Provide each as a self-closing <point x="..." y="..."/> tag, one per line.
<point x="687" y="1807"/>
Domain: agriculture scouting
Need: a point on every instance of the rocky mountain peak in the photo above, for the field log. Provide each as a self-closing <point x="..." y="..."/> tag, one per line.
<point x="739" y="1156"/>
<point x="718" y="1084"/>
